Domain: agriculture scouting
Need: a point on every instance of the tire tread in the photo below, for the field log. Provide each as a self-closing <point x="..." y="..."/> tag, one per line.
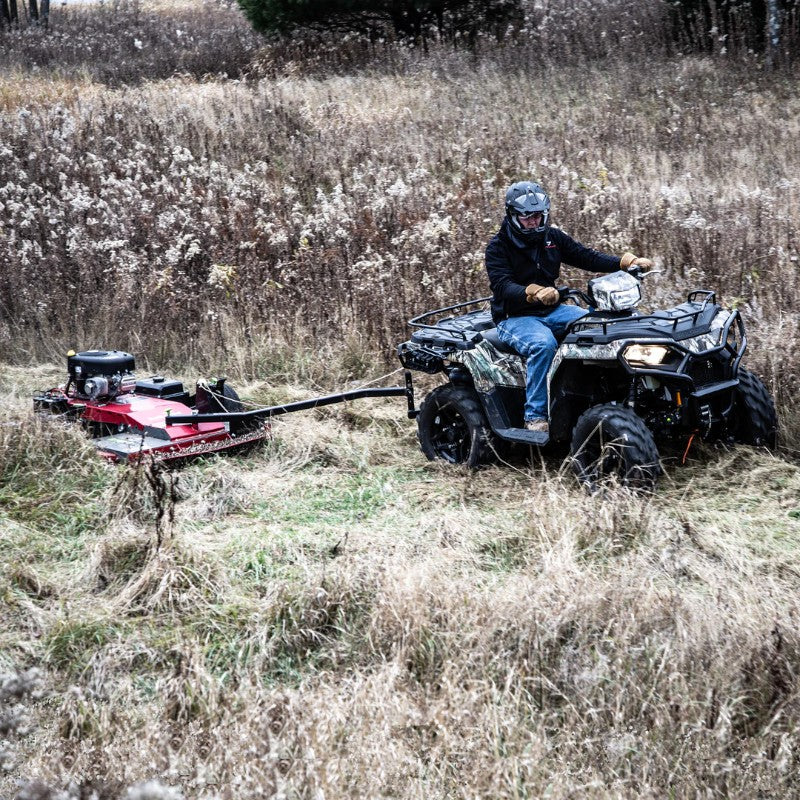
<point x="466" y="402"/>
<point x="641" y="454"/>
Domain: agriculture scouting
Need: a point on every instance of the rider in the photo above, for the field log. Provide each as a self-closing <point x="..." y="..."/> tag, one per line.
<point x="523" y="261"/>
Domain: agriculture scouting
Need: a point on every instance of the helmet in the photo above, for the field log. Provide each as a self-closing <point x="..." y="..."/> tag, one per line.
<point x="525" y="198"/>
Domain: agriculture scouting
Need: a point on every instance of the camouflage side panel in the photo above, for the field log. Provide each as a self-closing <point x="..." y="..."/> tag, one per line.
<point x="490" y="368"/>
<point x="699" y="344"/>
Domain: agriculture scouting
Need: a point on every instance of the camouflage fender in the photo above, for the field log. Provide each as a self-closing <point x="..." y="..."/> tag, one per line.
<point x="490" y="368"/>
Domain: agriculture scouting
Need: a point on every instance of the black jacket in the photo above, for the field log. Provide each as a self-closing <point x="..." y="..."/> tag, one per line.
<point x="512" y="266"/>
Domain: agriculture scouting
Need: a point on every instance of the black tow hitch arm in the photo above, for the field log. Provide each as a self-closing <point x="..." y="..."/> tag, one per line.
<point x="257" y="414"/>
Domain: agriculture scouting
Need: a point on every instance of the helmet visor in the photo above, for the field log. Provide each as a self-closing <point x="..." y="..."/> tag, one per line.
<point x="531" y="223"/>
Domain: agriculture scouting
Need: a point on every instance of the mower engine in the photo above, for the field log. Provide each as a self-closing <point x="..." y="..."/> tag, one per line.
<point x="100" y="374"/>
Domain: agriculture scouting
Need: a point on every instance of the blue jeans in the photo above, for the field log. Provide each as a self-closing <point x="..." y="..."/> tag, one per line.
<point x="535" y="338"/>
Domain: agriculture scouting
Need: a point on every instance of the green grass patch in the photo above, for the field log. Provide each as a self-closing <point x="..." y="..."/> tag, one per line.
<point x="72" y="643"/>
<point x="51" y="544"/>
<point x="226" y="635"/>
<point x="505" y="552"/>
<point x="51" y="477"/>
<point x="746" y="495"/>
<point x="263" y="565"/>
<point x="329" y="501"/>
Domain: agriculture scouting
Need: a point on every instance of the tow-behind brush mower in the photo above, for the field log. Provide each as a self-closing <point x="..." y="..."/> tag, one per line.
<point x="156" y="417"/>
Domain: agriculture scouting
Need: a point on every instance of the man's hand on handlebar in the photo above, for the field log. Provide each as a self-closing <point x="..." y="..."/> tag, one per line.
<point x="628" y="260"/>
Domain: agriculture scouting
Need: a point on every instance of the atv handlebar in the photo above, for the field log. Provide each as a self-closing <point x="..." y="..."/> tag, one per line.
<point x="566" y="293"/>
<point x="639" y="273"/>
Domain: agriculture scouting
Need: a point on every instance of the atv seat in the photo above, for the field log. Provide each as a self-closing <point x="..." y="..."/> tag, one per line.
<point x="492" y="337"/>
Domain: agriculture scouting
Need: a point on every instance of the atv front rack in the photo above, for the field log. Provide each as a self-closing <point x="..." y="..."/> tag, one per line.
<point x="688" y="323"/>
<point x="240" y="420"/>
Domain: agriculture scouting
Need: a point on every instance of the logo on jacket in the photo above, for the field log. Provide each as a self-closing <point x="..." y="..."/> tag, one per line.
<point x="548" y="243"/>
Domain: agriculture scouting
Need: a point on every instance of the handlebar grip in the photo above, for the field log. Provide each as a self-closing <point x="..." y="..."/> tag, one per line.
<point x="563" y="292"/>
<point x="636" y="272"/>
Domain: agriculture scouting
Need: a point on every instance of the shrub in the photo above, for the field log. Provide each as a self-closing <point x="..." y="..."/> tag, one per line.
<point x="407" y="18"/>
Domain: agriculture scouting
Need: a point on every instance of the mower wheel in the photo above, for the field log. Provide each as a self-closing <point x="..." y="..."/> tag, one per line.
<point x="230" y="400"/>
<point x="451" y="426"/>
<point x="612" y="442"/>
<point x="755" y="420"/>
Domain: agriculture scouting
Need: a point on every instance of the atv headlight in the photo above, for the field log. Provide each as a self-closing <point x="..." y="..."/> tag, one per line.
<point x="623" y="299"/>
<point x="646" y="355"/>
<point x="617" y="291"/>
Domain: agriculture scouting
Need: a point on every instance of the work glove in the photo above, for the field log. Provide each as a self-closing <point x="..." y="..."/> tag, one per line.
<point x="629" y="260"/>
<point x="546" y="295"/>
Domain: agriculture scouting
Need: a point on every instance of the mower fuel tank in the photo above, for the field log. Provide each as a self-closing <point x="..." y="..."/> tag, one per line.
<point x="165" y="388"/>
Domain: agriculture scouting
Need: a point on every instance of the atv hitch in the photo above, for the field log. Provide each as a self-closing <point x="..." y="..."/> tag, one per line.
<point x="244" y="419"/>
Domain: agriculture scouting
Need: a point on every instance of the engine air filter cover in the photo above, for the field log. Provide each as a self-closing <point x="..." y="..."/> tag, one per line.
<point x="91" y="363"/>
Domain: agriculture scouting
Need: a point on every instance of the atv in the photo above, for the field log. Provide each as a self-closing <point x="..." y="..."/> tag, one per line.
<point x="621" y="383"/>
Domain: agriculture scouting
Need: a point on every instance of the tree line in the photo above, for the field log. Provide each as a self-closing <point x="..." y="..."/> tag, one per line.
<point x="698" y="25"/>
<point x="408" y="19"/>
<point x="38" y="11"/>
<point x="707" y="26"/>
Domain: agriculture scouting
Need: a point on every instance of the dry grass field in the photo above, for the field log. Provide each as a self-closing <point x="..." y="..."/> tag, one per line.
<point x="331" y="616"/>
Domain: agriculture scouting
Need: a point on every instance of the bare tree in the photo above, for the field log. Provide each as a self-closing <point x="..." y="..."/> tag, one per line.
<point x="38" y="12"/>
<point x="13" y="15"/>
<point x="773" y="33"/>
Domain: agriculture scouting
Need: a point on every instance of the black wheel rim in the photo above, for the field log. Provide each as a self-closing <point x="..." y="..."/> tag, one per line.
<point x="450" y="436"/>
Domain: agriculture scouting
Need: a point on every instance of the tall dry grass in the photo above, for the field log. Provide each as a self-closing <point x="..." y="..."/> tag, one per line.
<point x="333" y="618"/>
<point x="330" y="206"/>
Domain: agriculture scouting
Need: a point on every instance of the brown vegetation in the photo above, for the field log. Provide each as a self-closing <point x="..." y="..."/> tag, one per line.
<point x="331" y="616"/>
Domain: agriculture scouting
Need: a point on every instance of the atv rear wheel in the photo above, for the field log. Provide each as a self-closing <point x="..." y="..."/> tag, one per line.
<point x="755" y="420"/>
<point x="451" y="426"/>
<point x="611" y="441"/>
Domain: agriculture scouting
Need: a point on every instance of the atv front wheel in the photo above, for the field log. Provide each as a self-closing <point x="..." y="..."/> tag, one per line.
<point x="451" y="426"/>
<point x="755" y="420"/>
<point x="611" y="441"/>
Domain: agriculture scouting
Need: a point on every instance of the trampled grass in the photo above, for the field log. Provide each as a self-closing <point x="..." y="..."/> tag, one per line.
<point x="394" y="615"/>
<point x="330" y="615"/>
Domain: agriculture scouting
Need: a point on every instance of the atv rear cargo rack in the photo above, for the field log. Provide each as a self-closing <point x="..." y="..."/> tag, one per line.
<point x="458" y="332"/>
